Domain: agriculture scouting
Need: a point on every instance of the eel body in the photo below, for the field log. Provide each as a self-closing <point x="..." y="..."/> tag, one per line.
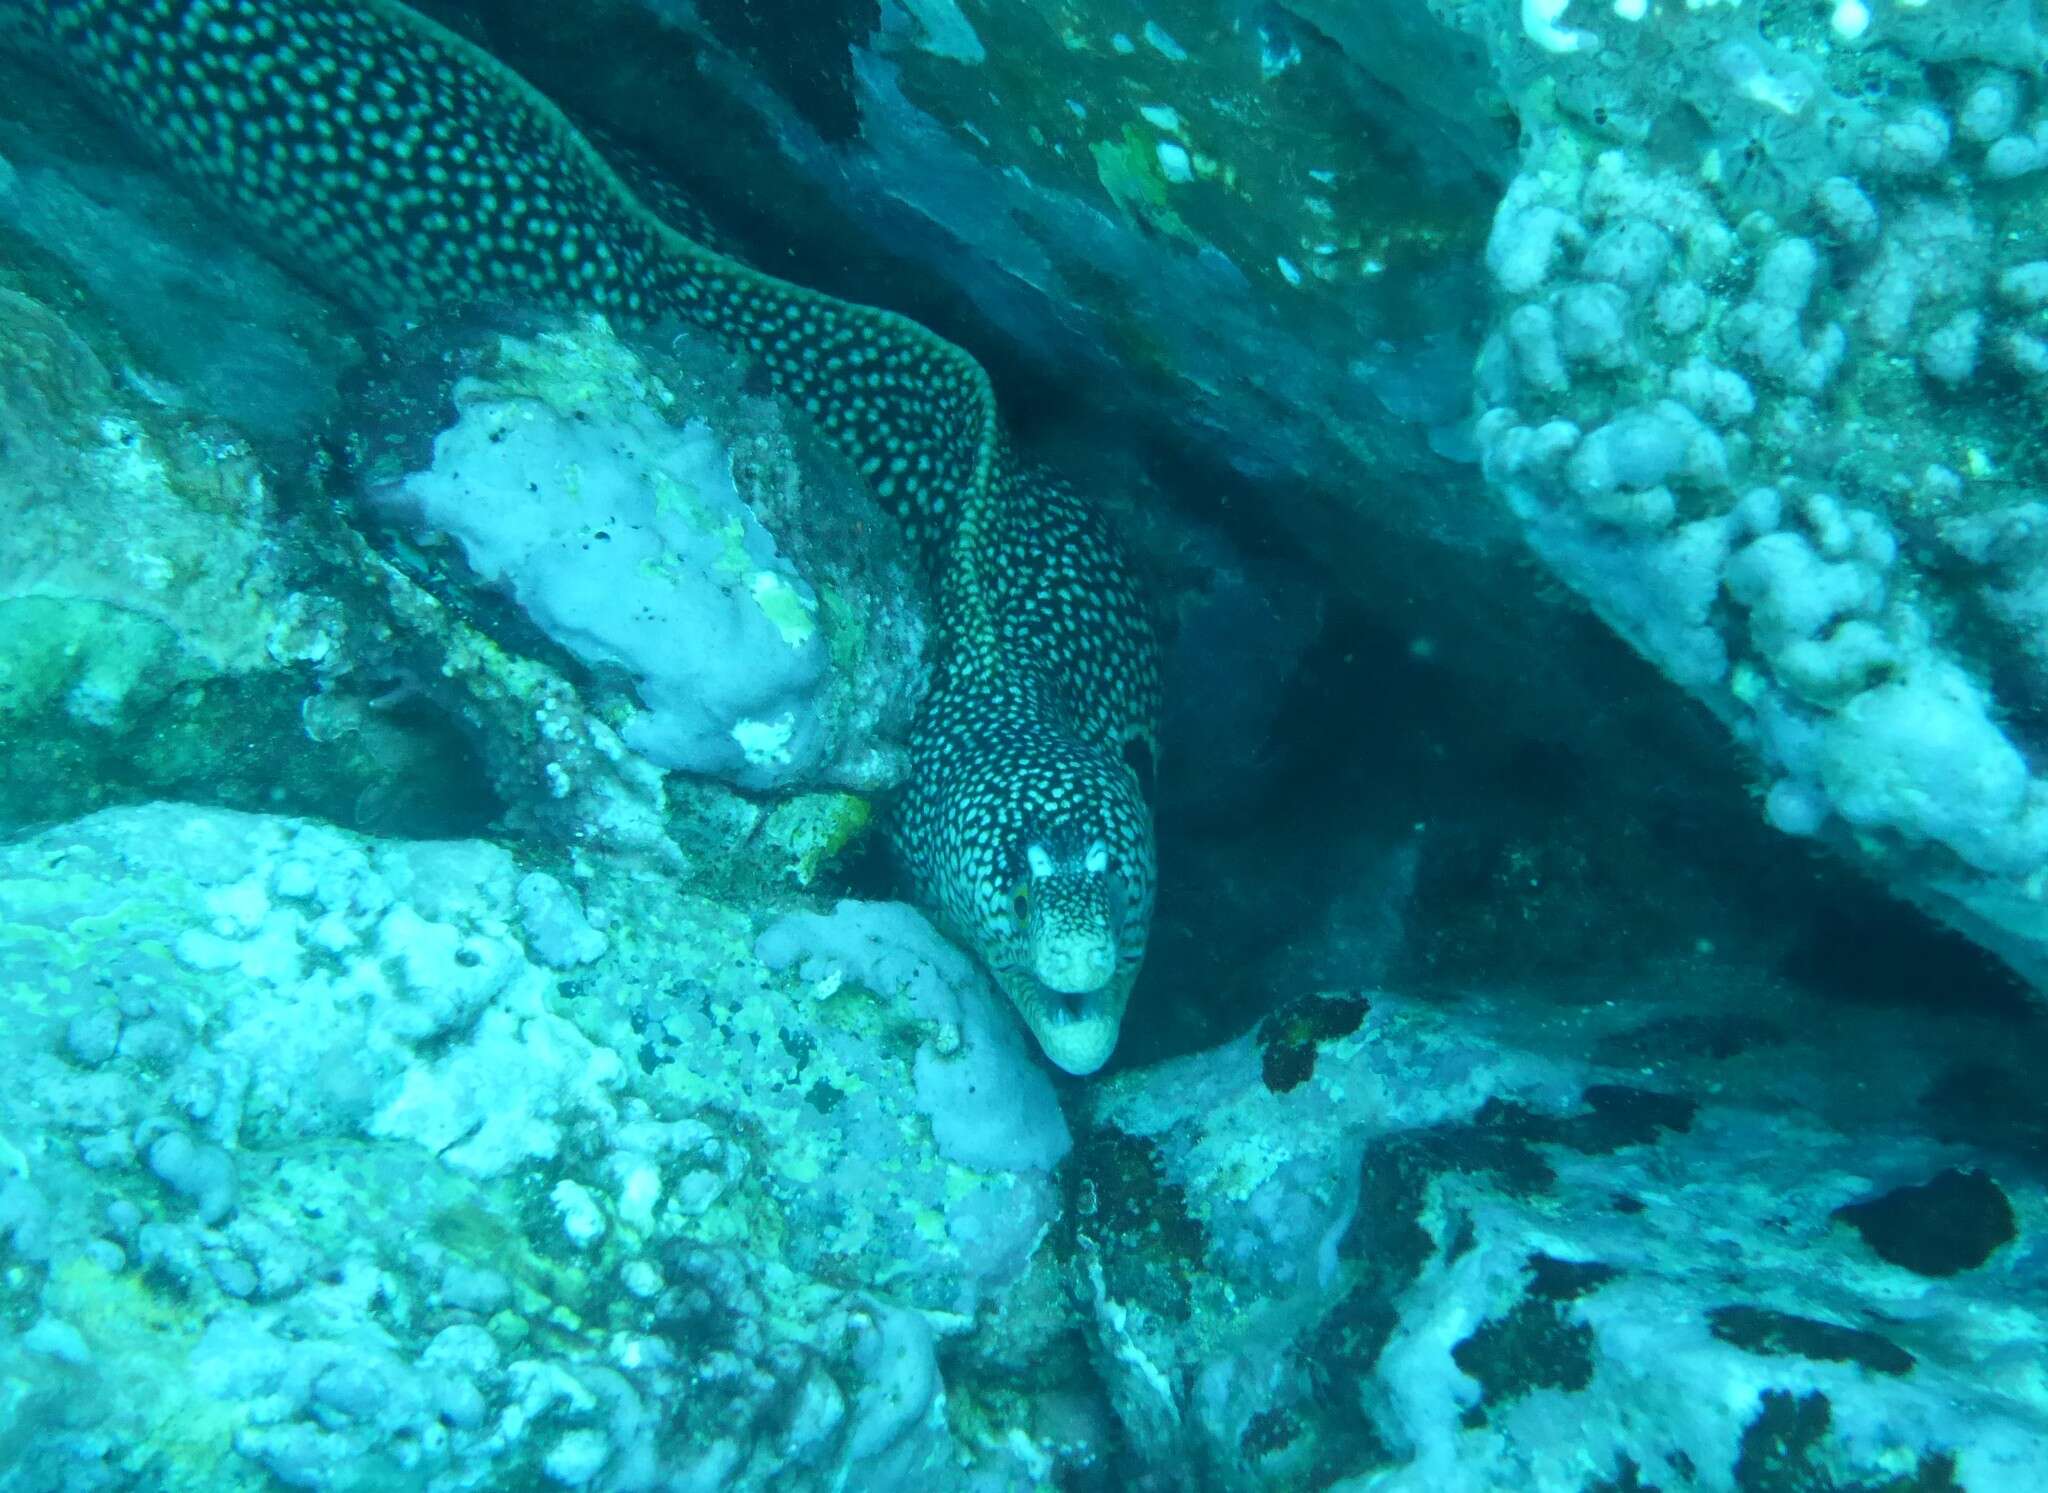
<point x="404" y="168"/>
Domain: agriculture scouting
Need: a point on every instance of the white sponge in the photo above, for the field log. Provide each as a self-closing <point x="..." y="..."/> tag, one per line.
<point x="622" y="536"/>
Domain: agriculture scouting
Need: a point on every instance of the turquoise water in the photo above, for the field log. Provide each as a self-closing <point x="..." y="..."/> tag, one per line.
<point x="1351" y="805"/>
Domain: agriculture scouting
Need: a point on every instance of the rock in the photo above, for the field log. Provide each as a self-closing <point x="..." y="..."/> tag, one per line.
<point x="390" y="1074"/>
<point x="1484" y="1220"/>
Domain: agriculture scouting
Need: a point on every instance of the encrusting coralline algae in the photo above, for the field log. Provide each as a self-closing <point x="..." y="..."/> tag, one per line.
<point x="316" y="1161"/>
<point x="1772" y="462"/>
<point x="442" y="1053"/>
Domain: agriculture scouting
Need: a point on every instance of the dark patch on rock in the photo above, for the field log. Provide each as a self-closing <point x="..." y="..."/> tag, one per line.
<point x="1778" y="1446"/>
<point x="1618" y="1116"/>
<point x="797" y="1043"/>
<point x="1338" y="1355"/>
<point x="1290" y="1036"/>
<point x="1118" y="1194"/>
<point x="823" y="1097"/>
<point x="1628" y="1478"/>
<point x="1784" y="1450"/>
<point x="1775" y="1334"/>
<point x="1387" y="1248"/>
<point x="1500" y="1139"/>
<point x="1553" y="1279"/>
<point x="1944" y="1226"/>
<point x="1267" y="1432"/>
<point x="1534" y="1346"/>
<point x="1388" y="1244"/>
<point x="658" y="1045"/>
<point x="1463" y="1237"/>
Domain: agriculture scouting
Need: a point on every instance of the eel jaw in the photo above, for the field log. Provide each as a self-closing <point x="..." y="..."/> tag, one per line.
<point x="1077" y="1031"/>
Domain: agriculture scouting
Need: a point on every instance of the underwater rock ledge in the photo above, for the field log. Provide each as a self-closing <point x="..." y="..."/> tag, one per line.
<point x="1756" y="302"/>
<point x="489" y="1085"/>
<point x="365" y="1163"/>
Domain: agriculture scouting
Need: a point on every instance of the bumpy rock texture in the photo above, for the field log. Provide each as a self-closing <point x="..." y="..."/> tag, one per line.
<point x="628" y="528"/>
<point x="448" y="1043"/>
<point x="1762" y="391"/>
<point x="316" y="1169"/>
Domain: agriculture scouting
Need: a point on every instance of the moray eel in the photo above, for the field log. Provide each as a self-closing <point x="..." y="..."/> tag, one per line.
<point x="406" y="169"/>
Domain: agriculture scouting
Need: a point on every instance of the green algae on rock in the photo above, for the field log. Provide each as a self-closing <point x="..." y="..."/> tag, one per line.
<point x="157" y="636"/>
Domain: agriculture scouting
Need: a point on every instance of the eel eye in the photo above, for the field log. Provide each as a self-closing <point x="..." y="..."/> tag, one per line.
<point x="1020" y="900"/>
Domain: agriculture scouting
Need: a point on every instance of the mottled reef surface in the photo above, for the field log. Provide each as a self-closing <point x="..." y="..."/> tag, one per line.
<point x="463" y="1026"/>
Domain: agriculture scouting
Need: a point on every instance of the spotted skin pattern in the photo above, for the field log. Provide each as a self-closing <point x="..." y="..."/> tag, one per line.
<point x="408" y="170"/>
<point x="1042" y="740"/>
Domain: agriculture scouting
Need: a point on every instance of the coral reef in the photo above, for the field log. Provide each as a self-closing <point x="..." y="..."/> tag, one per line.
<point x="456" y="1031"/>
<point x="1753" y="395"/>
<point x="372" y="1163"/>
